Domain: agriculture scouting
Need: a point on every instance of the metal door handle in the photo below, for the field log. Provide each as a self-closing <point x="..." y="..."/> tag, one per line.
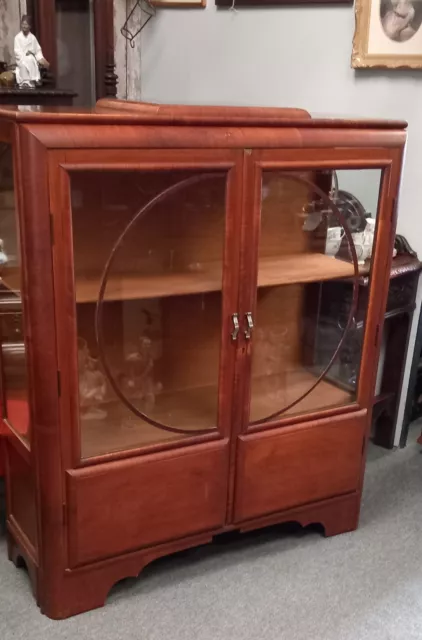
<point x="235" y="320"/>
<point x="250" y="325"/>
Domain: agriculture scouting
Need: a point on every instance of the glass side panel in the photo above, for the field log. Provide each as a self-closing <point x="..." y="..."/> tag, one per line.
<point x="309" y="319"/>
<point x="13" y="349"/>
<point x="148" y="256"/>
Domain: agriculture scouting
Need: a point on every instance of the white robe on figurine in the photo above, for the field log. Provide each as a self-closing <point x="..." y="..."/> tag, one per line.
<point x="27" y="69"/>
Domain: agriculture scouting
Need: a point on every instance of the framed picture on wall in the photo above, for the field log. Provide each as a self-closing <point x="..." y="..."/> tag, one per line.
<point x="266" y="3"/>
<point x="179" y="3"/>
<point x="388" y="34"/>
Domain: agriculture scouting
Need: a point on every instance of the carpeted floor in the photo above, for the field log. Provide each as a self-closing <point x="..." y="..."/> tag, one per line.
<point x="365" y="585"/>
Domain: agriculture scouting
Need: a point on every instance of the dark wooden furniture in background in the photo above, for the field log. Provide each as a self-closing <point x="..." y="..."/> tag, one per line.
<point x="45" y="18"/>
<point x="401" y="304"/>
<point x="37" y="97"/>
<point x="413" y="406"/>
<point x="168" y="264"/>
<point x="336" y="300"/>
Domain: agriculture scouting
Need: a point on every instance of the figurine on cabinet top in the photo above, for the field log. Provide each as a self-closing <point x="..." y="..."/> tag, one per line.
<point x="29" y="56"/>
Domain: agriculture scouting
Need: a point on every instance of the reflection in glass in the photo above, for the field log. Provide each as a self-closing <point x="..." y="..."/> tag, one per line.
<point x="148" y="303"/>
<point x="13" y="349"/>
<point x="309" y="323"/>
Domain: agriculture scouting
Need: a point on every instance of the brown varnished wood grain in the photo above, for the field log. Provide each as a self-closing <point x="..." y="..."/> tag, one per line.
<point x="115" y="110"/>
<point x="66" y="266"/>
<point x="22" y="554"/>
<point x="87" y="159"/>
<point x="87" y="587"/>
<point x="13" y="439"/>
<point x="336" y="515"/>
<point x="7" y="131"/>
<point x="173" y="114"/>
<point x="110" y="512"/>
<point x="64" y="309"/>
<point x="282" y="469"/>
<point x="100" y="519"/>
<point x="21" y="495"/>
<point x="196" y="407"/>
<point x="71" y="135"/>
<point x="40" y="330"/>
<point x="2" y="454"/>
<point x="273" y="160"/>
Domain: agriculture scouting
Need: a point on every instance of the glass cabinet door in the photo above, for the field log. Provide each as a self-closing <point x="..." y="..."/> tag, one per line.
<point x="316" y="236"/>
<point x="148" y="267"/>
<point x="14" y="380"/>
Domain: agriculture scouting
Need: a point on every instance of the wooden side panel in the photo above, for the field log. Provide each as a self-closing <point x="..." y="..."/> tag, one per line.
<point x="123" y="506"/>
<point x="288" y="467"/>
<point x="21" y="508"/>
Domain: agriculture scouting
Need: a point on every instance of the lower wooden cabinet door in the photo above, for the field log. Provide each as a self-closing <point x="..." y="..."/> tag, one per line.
<point x="122" y="506"/>
<point x="283" y="468"/>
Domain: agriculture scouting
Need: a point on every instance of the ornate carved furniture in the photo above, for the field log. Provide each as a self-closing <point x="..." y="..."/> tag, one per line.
<point x="165" y="380"/>
<point x="333" y="311"/>
<point x="413" y="406"/>
<point x="401" y="304"/>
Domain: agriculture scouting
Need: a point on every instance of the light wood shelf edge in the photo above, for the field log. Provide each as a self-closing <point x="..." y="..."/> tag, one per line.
<point x="290" y="269"/>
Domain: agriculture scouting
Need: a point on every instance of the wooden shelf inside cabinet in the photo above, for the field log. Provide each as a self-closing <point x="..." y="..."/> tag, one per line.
<point x="189" y="409"/>
<point x="195" y="409"/>
<point x="12" y="282"/>
<point x="131" y="286"/>
<point x="290" y="269"/>
<point x="290" y="386"/>
<point x="302" y="268"/>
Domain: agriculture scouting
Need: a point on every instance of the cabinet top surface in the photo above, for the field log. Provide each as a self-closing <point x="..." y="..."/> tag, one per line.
<point x="124" y="112"/>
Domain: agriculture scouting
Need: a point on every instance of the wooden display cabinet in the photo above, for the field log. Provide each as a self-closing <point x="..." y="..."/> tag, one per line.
<point x="161" y="313"/>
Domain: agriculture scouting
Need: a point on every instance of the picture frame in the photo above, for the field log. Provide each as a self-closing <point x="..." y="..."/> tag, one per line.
<point x="269" y="3"/>
<point x="179" y="4"/>
<point x="388" y="34"/>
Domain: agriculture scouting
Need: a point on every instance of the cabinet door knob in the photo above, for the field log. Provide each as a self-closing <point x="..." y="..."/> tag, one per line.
<point x="250" y="325"/>
<point x="235" y="320"/>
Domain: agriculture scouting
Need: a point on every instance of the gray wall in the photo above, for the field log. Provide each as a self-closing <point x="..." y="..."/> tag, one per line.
<point x="128" y="67"/>
<point x="283" y="56"/>
<point x="10" y="14"/>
